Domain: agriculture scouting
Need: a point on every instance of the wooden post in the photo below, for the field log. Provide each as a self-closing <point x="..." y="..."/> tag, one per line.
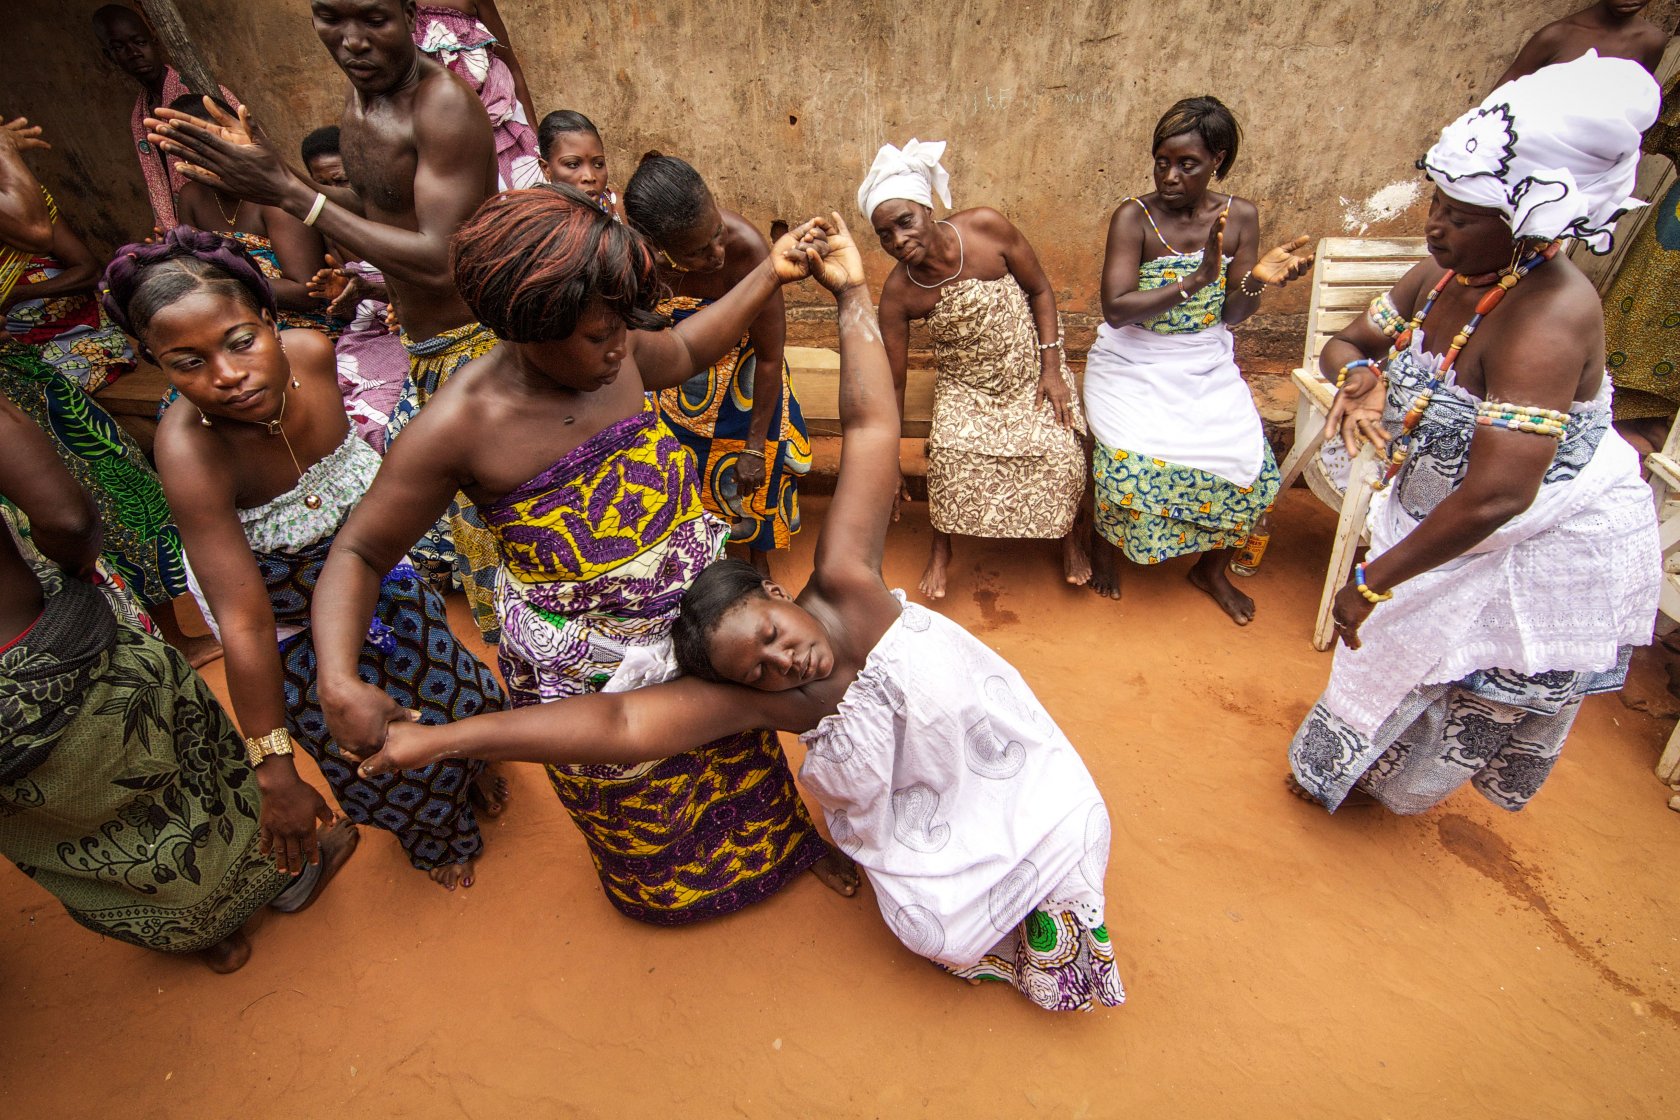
<point x="172" y="32"/>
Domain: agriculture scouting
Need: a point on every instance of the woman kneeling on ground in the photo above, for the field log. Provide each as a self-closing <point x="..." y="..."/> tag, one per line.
<point x="1514" y="560"/>
<point x="124" y="789"/>
<point x="1180" y="465"/>
<point x="261" y="469"/>
<point x="599" y="527"/>
<point x="979" y="827"/>
<point x="1004" y="458"/>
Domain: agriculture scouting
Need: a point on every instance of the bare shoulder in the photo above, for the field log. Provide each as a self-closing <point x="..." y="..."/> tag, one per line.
<point x="444" y="105"/>
<point x="185" y="449"/>
<point x="744" y="246"/>
<point x="1243" y="210"/>
<point x="986" y="220"/>
<point x="1128" y="215"/>
<point x="311" y="349"/>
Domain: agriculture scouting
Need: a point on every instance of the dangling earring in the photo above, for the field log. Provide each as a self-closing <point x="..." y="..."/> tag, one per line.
<point x="296" y="384"/>
<point x="203" y="419"/>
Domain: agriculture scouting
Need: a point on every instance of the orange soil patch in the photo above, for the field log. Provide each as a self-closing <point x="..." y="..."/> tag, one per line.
<point x="1280" y="962"/>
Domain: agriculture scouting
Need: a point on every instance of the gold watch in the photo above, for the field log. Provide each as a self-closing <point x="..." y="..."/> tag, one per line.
<point x="261" y="747"/>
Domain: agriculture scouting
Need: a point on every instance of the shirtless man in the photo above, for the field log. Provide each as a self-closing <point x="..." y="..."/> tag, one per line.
<point x="1613" y="27"/>
<point x="416" y="144"/>
<point x="126" y="39"/>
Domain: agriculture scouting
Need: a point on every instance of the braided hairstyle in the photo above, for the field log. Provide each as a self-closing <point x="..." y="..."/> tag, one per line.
<point x="665" y="197"/>
<point x="529" y="263"/>
<point x="143" y="279"/>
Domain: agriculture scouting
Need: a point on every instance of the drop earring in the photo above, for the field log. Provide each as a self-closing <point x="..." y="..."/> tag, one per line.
<point x="203" y="419"/>
<point x="296" y="384"/>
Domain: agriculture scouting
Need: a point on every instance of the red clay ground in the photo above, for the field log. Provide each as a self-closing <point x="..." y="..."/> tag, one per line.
<point x="1279" y="962"/>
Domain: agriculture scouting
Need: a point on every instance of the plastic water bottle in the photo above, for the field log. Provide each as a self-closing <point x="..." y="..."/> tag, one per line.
<point x="1247" y="560"/>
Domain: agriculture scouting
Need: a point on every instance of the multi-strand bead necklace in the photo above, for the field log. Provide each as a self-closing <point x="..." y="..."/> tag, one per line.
<point x="1543" y="421"/>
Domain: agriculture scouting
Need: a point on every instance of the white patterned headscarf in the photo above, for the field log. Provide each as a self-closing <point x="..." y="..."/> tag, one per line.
<point x="913" y="172"/>
<point x="1555" y="152"/>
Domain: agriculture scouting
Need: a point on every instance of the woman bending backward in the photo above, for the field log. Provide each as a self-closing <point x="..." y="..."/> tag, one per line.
<point x="875" y="686"/>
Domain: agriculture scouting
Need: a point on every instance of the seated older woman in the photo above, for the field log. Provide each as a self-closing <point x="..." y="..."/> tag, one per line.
<point x="1004" y="456"/>
<point x="1514" y="558"/>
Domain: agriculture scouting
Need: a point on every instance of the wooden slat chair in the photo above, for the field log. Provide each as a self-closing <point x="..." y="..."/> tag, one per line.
<point x="1350" y="272"/>
<point x="1664" y="466"/>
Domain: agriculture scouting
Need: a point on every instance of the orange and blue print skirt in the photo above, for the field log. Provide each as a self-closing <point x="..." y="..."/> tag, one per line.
<point x="1153" y="510"/>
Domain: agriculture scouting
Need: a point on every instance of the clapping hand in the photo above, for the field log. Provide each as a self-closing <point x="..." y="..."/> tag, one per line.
<point x="1213" y="254"/>
<point x="23" y="136"/>
<point x="229" y="153"/>
<point x="1283" y="264"/>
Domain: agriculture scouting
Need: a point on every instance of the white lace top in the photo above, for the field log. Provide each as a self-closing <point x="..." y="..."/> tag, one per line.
<point x="340" y="479"/>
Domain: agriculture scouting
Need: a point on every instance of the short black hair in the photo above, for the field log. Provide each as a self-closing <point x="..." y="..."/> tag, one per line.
<point x="724" y="585"/>
<point x="665" y="197"/>
<point x="322" y="142"/>
<point x="1208" y="118"/>
<point x="559" y="122"/>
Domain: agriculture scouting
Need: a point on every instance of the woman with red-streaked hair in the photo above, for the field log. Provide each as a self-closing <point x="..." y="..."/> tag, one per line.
<point x="597" y="514"/>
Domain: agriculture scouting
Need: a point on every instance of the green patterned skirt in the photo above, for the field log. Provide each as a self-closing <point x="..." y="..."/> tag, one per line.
<point x="124" y="788"/>
<point x="1153" y="510"/>
<point x="141" y="544"/>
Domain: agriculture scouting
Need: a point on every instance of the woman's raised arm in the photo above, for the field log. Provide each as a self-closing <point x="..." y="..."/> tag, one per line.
<point x="855" y="532"/>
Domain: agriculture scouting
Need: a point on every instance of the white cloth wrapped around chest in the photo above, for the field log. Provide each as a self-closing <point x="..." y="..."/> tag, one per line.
<point x="946" y="780"/>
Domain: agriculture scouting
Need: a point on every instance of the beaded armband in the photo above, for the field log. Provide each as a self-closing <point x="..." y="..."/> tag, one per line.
<point x="1523" y="418"/>
<point x="1385" y="316"/>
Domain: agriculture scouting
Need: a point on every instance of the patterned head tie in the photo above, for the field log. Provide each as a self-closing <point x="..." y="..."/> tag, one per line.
<point x="1555" y="152"/>
<point x="912" y="172"/>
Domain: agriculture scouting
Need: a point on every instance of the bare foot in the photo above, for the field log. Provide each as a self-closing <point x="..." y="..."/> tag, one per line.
<point x="227" y="955"/>
<point x="1105" y="567"/>
<point x="939" y="559"/>
<point x="338" y="843"/>
<point x="452" y="875"/>
<point x="1208" y="574"/>
<point x="1076" y="563"/>
<point x="837" y="872"/>
<point x="490" y="793"/>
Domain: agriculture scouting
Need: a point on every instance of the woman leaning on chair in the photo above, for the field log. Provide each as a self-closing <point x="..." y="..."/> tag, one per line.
<point x="1514" y="558"/>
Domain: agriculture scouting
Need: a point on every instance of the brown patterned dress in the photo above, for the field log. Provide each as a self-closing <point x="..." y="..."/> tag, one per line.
<point x="997" y="465"/>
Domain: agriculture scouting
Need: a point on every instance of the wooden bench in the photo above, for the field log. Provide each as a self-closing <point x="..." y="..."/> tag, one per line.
<point x="815" y="372"/>
<point x="132" y="400"/>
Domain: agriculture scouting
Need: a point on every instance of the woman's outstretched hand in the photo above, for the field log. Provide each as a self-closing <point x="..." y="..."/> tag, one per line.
<point x="1283" y="264"/>
<point x="407" y="747"/>
<point x="23" y="136"/>
<point x="790" y="255"/>
<point x="841" y="265"/>
<point x="360" y="717"/>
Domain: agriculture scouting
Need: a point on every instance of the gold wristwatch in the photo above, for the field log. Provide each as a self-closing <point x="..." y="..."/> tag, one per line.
<point x="261" y="747"/>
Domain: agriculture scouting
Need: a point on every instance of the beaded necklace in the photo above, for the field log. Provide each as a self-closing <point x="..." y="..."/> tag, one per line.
<point x="1401" y="447"/>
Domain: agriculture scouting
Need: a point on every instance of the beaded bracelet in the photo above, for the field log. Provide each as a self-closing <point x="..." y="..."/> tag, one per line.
<point x="1372" y="597"/>
<point x="1358" y="363"/>
<point x="1523" y="418"/>
<point x="1242" y="285"/>
<point x="1056" y="345"/>
<point x="1385" y="316"/>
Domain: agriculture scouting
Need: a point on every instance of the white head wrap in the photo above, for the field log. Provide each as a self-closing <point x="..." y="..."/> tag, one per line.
<point x="913" y="172"/>
<point x="1556" y="151"/>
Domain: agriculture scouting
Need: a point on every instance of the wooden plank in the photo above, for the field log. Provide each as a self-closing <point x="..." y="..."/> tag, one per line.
<point x="166" y="20"/>
<point x="1366" y="248"/>
<point x="1358" y="297"/>
<point x="815" y="372"/>
<point x="136" y="393"/>
<point x="1363" y="272"/>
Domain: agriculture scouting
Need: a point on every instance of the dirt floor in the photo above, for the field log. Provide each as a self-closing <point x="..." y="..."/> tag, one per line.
<point x="1279" y="962"/>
